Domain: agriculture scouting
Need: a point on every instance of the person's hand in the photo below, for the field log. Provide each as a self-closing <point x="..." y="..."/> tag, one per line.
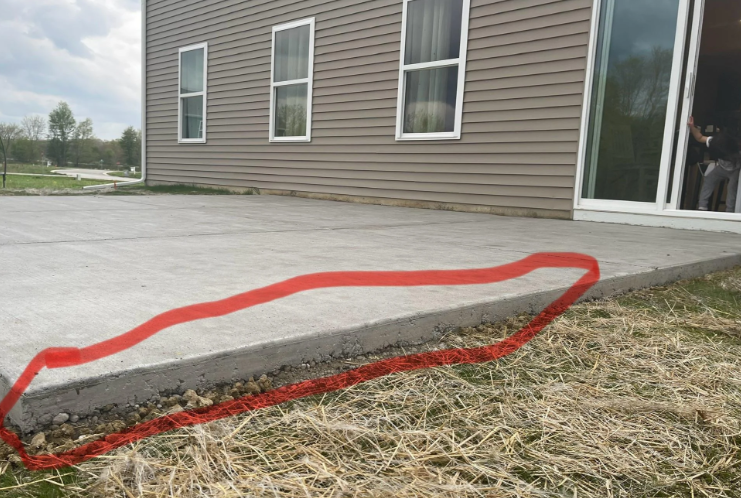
<point x="691" y="122"/>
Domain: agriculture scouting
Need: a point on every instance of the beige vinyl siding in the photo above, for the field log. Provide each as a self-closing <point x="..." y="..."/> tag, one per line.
<point x="517" y="153"/>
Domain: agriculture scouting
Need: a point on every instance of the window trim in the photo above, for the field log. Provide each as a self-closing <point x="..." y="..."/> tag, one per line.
<point x="404" y="68"/>
<point x="203" y="93"/>
<point x="308" y="81"/>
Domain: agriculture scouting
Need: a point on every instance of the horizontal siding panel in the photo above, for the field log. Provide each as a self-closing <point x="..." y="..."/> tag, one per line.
<point x="287" y="153"/>
<point x="577" y="40"/>
<point x="525" y="103"/>
<point x="528" y="24"/>
<point x="237" y="128"/>
<point x="522" y="107"/>
<point x="550" y="140"/>
<point x="384" y="145"/>
<point x="263" y="14"/>
<point x="334" y="176"/>
<point x="481" y="61"/>
<point x="251" y="66"/>
<point x="328" y="49"/>
<point x="387" y="75"/>
<point x="536" y="10"/>
<point x="529" y="40"/>
<point x="389" y="51"/>
<point x="471" y="136"/>
<point x="474" y="114"/>
<point x="340" y="91"/>
<point x="482" y="9"/>
<point x="516" y="82"/>
<point x="249" y="43"/>
<point x="353" y="20"/>
<point x="414" y="185"/>
<point x="328" y="38"/>
<point x="534" y="70"/>
<point x="558" y="205"/>
<point x="340" y="167"/>
<point x="526" y="92"/>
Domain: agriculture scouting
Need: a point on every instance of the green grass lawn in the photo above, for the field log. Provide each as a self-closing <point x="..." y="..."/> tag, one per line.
<point x="31" y="185"/>
<point x="47" y="484"/>
<point x="29" y="168"/>
<point x="14" y="183"/>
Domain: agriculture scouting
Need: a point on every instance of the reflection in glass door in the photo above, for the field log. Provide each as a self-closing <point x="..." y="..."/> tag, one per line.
<point x="635" y="73"/>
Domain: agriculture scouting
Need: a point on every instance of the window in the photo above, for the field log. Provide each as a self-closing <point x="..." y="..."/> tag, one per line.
<point x="433" y="69"/>
<point x="192" y="94"/>
<point x="292" y="81"/>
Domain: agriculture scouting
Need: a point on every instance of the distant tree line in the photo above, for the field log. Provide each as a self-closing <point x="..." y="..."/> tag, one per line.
<point x="64" y="141"/>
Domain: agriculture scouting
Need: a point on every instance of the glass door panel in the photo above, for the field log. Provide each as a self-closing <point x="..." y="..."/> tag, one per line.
<point x="635" y="73"/>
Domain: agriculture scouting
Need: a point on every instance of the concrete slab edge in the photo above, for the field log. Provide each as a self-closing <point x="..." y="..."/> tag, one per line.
<point x="140" y="385"/>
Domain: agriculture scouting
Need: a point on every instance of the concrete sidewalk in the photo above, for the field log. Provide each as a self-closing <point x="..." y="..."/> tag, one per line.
<point x="93" y="174"/>
<point x="61" y="275"/>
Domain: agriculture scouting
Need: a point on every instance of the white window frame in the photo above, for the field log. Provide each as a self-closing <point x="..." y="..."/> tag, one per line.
<point x="181" y="95"/>
<point x="309" y="81"/>
<point x="404" y="68"/>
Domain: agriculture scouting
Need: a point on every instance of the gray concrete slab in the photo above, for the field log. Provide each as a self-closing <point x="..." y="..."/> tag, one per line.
<point x="62" y="284"/>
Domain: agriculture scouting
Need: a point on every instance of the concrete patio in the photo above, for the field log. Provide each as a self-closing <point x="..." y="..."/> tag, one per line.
<point x="78" y="270"/>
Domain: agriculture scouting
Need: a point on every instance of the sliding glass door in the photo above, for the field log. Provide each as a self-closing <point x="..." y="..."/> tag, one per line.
<point x="633" y="102"/>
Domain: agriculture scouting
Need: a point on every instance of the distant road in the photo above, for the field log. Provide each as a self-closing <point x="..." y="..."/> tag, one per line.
<point x="93" y="174"/>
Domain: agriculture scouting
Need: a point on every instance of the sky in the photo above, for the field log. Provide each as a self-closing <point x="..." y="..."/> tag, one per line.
<point x="84" y="52"/>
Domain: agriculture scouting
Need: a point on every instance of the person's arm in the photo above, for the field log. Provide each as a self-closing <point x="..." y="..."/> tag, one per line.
<point x="696" y="131"/>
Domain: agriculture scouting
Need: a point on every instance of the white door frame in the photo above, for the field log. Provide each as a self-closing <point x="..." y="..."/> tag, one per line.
<point x="668" y="142"/>
<point x="687" y="103"/>
<point x="659" y="213"/>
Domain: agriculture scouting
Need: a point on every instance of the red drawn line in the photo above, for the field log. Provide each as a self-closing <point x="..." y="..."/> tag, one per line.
<point x="69" y="357"/>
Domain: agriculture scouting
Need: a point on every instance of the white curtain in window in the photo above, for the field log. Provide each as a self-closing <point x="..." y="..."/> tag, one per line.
<point x="191" y="71"/>
<point x="433" y="30"/>
<point x="430" y="100"/>
<point x="192" y="110"/>
<point x="292" y="54"/>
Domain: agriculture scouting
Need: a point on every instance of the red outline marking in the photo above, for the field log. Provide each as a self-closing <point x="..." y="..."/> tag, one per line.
<point x="69" y="357"/>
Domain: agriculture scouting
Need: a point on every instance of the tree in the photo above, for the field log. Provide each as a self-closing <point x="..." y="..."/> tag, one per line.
<point x="8" y="133"/>
<point x="106" y="152"/>
<point x="34" y="128"/>
<point x="81" y="140"/>
<point x="61" y="131"/>
<point x="24" y="150"/>
<point x="130" y="143"/>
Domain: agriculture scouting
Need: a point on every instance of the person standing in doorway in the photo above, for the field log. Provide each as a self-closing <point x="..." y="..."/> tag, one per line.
<point x="724" y="150"/>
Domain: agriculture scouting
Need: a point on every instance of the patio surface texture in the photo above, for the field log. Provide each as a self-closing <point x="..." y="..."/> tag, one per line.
<point x="79" y="270"/>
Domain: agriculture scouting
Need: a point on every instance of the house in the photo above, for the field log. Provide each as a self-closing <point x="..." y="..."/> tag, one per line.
<point x="556" y="108"/>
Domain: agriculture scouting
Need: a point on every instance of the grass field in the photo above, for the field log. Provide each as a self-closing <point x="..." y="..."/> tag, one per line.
<point x="17" y="182"/>
<point x="61" y="185"/>
<point x="638" y="396"/>
<point x="29" y="168"/>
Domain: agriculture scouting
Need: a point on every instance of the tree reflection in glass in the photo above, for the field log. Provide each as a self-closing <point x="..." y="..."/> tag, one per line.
<point x="629" y="99"/>
<point x="290" y="110"/>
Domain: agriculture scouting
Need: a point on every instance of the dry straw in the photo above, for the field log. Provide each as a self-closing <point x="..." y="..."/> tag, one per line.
<point x="637" y="396"/>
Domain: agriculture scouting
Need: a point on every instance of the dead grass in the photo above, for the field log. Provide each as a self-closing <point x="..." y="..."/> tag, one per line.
<point x="633" y="397"/>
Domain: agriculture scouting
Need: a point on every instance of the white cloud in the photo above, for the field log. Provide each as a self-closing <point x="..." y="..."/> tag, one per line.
<point x="86" y="52"/>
